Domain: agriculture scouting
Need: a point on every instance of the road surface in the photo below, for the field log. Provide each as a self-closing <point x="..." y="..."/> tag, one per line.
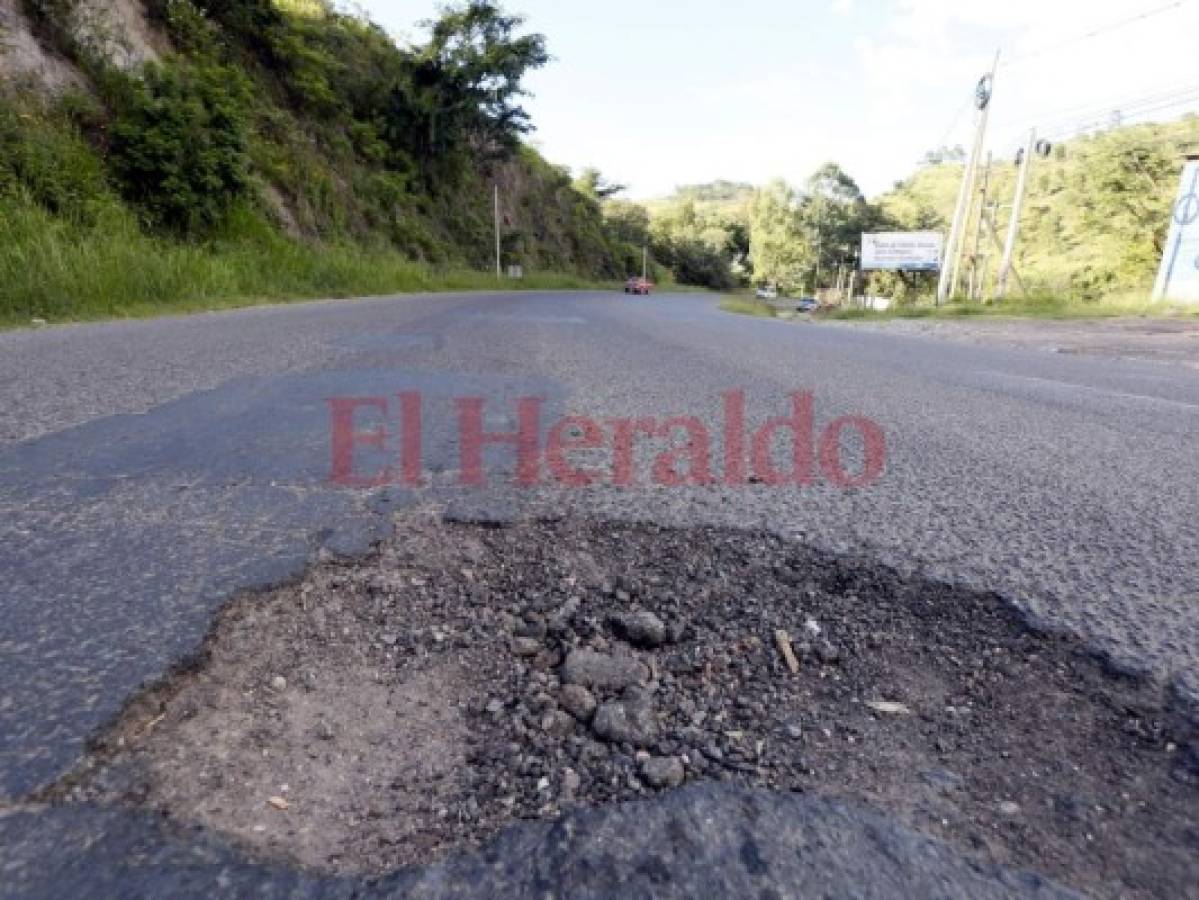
<point x="150" y="469"/>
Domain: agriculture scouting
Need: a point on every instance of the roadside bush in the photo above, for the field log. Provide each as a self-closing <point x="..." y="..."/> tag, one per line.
<point x="179" y="144"/>
<point x="43" y="157"/>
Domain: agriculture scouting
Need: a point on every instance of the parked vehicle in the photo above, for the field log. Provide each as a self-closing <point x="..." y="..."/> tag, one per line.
<point x="808" y="304"/>
<point x="767" y="292"/>
<point x="638" y="286"/>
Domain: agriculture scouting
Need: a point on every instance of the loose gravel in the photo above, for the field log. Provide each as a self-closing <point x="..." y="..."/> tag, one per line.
<point x="386" y="712"/>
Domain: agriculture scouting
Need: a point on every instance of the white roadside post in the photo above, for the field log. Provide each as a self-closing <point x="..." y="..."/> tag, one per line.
<point x="1178" y="278"/>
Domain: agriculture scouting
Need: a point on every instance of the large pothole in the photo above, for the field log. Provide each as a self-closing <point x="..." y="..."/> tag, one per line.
<point x="384" y="713"/>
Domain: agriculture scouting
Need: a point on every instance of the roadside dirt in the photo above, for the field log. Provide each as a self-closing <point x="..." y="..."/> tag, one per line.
<point x="1174" y="341"/>
<point x="385" y="713"/>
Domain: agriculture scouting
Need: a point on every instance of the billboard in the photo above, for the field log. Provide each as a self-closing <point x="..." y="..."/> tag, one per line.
<point x="902" y="251"/>
<point x="1179" y="275"/>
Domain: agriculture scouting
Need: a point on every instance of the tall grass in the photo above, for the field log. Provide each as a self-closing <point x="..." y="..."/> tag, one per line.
<point x="57" y="271"/>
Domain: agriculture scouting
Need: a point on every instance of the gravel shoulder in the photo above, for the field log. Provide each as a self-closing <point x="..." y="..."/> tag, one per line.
<point x="1171" y="341"/>
<point x="392" y="712"/>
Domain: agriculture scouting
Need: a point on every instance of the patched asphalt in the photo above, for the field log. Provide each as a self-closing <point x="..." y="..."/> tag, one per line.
<point x="151" y="469"/>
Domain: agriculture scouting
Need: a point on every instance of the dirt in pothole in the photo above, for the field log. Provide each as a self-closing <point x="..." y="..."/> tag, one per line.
<point x="383" y="713"/>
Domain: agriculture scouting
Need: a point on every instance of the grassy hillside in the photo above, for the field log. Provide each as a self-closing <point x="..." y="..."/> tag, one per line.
<point x="202" y="152"/>
<point x="1097" y="214"/>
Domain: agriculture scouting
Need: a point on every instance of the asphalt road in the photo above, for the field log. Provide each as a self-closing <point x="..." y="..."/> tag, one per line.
<point x="150" y="469"/>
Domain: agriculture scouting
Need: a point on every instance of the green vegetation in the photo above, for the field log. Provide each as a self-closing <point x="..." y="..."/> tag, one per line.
<point x="283" y="148"/>
<point x="1096" y="218"/>
<point x="1095" y="222"/>
<point x="1131" y="305"/>
<point x="53" y="271"/>
<point x="747" y="306"/>
<point x="277" y="150"/>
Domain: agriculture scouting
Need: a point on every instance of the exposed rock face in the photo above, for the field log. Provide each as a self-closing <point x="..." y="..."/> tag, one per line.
<point x="118" y="30"/>
<point x="24" y="60"/>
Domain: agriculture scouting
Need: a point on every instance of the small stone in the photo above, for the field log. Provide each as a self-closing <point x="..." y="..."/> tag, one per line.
<point x="279" y="683"/>
<point x="600" y="670"/>
<point x="578" y="701"/>
<point x="889" y="708"/>
<point x="279" y="803"/>
<point x="663" y="772"/>
<point x="641" y="629"/>
<point x="495" y="706"/>
<point x="571" y="782"/>
<point x="630" y="720"/>
<point x="526" y="647"/>
<point x="676" y="631"/>
<point x="324" y="731"/>
<point x="531" y="626"/>
<point x="942" y="779"/>
<point x="1008" y="808"/>
<point x="557" y="723"/>
<point x="827" y="653"/>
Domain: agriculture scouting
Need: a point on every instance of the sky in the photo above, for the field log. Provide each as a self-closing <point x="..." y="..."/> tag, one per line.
<point x="673" y="92"/>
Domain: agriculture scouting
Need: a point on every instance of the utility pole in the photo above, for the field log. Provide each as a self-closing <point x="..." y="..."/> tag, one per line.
<point x="947" y="286"/>
<point x="976" y="277"/>
<point x="1013" y="231"/>
<point x="499" y="271"/>
<point x="645" y="262"/>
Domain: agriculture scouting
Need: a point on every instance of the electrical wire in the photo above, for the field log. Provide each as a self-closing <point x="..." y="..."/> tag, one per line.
<point x="1095" y="122"/>
<point x="1096" y="32"/>
<point x="1071" y="114"/>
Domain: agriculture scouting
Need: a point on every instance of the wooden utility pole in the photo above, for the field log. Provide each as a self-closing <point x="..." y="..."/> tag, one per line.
<point x="645" y="262"/>
<point x="499" y="271"/>
<point x="976" y="275"/>
<point x="1013" y="231"/>
<point x="947" y="286"/>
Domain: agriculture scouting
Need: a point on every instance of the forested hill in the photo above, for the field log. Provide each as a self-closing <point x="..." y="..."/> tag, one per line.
<point x="219" y="137"/>
<point x="1097" y="213"/>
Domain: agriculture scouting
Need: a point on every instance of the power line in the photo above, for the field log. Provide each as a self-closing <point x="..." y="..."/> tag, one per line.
<point x="957" y="117"/>
<point x="1124" y="111"/>
<point x="1070" y="114"/>
<point x="1090" y="124"/>
<point x="1096" y="32"/>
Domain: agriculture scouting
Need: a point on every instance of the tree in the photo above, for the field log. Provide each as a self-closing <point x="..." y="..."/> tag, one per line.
<point x="458" y="95"/>
<point x="592" y="184"/>
<point x="834" y="213"/>
<point x="476" y="48"/>
<point x="779" y="249"/>
<point x="627" y="222"/>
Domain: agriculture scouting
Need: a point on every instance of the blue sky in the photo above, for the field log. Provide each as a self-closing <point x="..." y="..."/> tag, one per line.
<point x="667" y="93"/>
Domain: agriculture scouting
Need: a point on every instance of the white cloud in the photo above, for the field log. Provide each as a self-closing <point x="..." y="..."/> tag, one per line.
<point x="1059" y="60"/>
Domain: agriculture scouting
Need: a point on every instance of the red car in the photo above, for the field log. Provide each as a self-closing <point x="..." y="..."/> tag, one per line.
<point x="638" y="286"/>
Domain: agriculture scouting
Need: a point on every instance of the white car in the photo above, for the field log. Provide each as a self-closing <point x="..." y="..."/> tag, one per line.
<point x="767" y="293"/>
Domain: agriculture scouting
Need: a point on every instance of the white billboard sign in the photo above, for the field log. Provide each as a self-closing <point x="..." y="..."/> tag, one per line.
<point x="1179" y="275"/>
<point x="902" y="251"/>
